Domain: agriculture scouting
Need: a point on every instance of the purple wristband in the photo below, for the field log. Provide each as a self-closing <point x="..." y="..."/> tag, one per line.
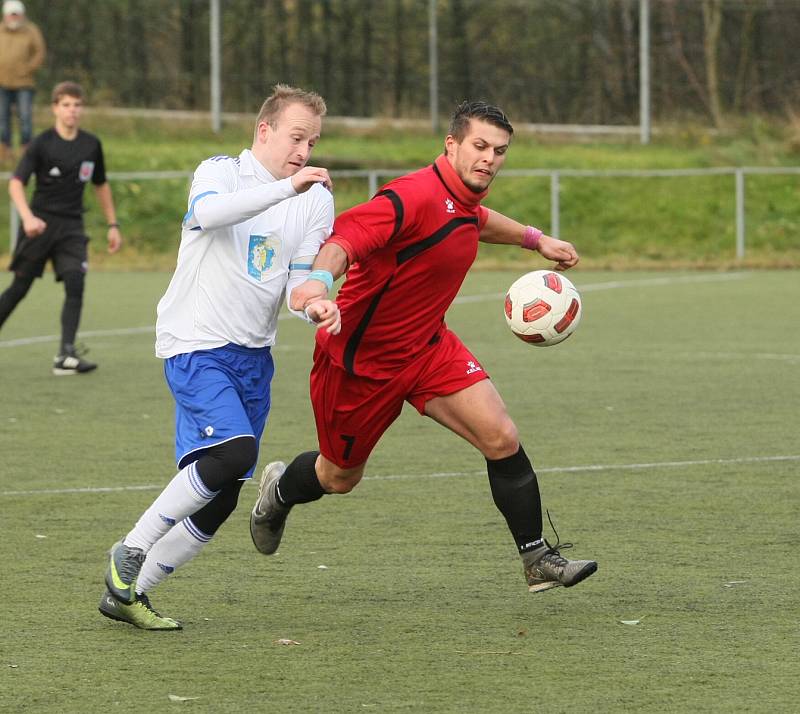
<point x="531" y="238"/>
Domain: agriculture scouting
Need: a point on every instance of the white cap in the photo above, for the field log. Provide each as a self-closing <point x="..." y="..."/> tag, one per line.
<point x="13" y="7"/>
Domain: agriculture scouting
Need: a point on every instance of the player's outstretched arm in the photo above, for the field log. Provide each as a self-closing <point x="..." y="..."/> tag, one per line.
<point x="502" y="230"/>
<point x="330" y="263"/>
<point x="325" y="315"/>
<point x="561" y="251"/>
<point x="216" y="202"/>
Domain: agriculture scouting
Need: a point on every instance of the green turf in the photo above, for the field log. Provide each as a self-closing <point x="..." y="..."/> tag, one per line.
<point x="655" y="430"/>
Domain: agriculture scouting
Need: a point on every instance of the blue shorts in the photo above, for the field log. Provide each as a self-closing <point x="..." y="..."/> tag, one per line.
<point x="220" y="394"/>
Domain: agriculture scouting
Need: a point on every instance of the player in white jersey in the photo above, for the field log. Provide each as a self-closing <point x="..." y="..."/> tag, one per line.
<point x="253" y="226"/>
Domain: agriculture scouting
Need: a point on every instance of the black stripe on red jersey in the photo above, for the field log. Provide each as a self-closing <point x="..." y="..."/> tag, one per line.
<point x="441" y="178"/>
<point x="398" y="209"/>
<point x="437" y="237"/>
<point x="358" y="333"/>
<point x="402" y="256"/>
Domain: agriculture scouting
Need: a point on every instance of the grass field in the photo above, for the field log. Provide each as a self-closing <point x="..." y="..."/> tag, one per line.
<point x="665" y="437"/>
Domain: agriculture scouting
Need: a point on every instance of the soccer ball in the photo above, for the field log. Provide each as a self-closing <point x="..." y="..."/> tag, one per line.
<point x="542" y="308"/>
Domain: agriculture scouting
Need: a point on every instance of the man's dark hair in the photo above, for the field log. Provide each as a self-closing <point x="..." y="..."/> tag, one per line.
<point x="66" y="89"/>
<point x="459" y="122"/>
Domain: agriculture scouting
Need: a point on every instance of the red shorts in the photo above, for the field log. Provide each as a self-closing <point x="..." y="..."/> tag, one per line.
<point x="352" y="413"/>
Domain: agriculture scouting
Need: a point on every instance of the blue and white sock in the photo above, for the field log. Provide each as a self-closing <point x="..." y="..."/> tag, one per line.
<point x="176" y="548"/>
<point x="184" y="495"/>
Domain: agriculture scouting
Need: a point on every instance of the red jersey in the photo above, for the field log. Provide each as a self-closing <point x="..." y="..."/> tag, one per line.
<point x="409" y="250"/>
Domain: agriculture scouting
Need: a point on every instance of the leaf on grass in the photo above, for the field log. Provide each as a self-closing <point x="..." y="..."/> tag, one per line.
<point x="488" y="652"/>
<point x="522" y="633"/>
<point x="322" y="567"/>
<point x="630" y="622"/>
<point x="176" y="698"/>
<point x="284" y="641"/>
<point x="14" y="666"/>
<point x="733" y="583"/>
<point x="39" y="535"/>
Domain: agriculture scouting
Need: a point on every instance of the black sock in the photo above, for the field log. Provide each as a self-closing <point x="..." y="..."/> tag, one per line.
<point x="13" y="294"/>
<point x="515" y="491"/>
<point x="211" y="516"/>
<point x="71" y="312"/>
<point x="299" y="483"/>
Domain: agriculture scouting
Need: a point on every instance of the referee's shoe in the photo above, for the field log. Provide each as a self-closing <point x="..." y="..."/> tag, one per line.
<point x="70" y="361"/>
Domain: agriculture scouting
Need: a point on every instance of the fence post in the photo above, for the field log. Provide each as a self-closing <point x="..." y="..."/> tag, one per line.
<point x="373" y="183"/>
<point x="740" y="227"/>
<point x="215" y="62"/>
<point x="555" y="210"/>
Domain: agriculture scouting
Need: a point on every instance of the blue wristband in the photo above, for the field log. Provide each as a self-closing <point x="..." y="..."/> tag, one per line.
<point x="324" y="276"/>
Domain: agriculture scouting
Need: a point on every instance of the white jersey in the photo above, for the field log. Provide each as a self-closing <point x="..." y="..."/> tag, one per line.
<point x="244" y="237"/>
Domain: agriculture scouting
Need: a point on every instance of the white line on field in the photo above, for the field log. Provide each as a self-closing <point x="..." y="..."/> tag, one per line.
<point x="741" y="355"/>
<point x="452" y="474"/>
<point x="464" y="299"/>
<point x="615" y="284"/>
<point x="84" y="333"/>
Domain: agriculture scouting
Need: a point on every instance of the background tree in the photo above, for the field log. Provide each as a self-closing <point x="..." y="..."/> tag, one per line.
<point x="569" y="61"/>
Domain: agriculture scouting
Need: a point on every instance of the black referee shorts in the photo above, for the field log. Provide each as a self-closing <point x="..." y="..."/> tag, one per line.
<point x="63" y="242"/>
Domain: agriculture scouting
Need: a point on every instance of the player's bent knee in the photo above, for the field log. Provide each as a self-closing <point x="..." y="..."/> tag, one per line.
<point x="242" y="456"/>
<point x="227" y="462"/>
<point x="501" y="441"/>
<point x="336" y="480"/>
<point x="341" y="485"/>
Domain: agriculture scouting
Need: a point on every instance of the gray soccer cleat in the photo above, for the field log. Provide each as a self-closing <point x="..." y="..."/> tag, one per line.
<point x="124" y="564"/>
<point x="546" y="568"/>
<point x="268" y="518"/>
<point x="140" y="613"/>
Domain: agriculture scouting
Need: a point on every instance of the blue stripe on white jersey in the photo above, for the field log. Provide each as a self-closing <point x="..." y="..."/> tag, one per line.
<point x="222" y="157"/>
<point x="190" y="212"/>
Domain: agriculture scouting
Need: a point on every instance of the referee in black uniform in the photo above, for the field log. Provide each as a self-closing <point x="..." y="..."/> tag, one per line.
<point x="64" y="159"/>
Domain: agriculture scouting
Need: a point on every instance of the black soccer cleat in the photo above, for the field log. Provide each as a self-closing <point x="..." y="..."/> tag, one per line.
<point x="71" y="361"/>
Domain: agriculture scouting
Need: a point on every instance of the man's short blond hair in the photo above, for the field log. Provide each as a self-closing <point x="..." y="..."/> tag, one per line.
<point x="282" y="96"/>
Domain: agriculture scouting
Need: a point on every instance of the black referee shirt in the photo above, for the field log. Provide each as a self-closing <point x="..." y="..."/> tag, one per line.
<point x="62" y="168"/>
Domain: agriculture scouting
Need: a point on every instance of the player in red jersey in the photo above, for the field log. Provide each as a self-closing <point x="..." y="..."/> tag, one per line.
<point x="406" y="253"/>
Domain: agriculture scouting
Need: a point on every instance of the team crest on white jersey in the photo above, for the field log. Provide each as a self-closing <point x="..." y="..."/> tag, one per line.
<point x="449" y="206"/>
<point x="261" y="255"/>
<point x="86" y="170"/>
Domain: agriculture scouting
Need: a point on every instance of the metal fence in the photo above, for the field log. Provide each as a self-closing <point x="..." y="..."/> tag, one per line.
<point x="374" y="176"/>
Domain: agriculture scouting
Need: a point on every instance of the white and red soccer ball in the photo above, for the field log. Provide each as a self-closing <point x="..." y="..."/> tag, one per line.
<point x="543" y="308"/>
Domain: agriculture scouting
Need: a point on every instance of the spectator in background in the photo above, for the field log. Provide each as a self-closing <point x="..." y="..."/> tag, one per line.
<point x="64" y="160"/>
<point x="22" y="52"/>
